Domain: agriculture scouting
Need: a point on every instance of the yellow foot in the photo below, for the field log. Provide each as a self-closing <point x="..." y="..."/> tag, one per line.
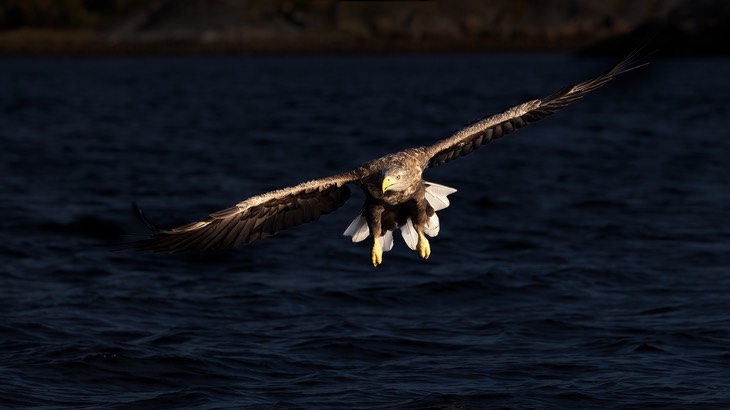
<point x="377" y="253"/>
<point x="424" y="248"/>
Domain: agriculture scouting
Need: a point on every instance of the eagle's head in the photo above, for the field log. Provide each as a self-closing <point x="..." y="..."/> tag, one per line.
<point x="395" y="179"/>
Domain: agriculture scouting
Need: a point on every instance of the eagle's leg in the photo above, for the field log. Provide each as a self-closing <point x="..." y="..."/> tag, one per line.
<point x="424" y="248"/>
<point x="421" y="211"/>
<point x="374" y="217"/>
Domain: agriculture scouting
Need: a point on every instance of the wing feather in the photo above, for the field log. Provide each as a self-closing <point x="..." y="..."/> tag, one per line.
<point x="255" y="218"/>
<point x="474" y="136"/>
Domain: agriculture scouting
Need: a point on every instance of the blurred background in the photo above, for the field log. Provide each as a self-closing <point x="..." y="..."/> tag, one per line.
<point x="259" y="26"/>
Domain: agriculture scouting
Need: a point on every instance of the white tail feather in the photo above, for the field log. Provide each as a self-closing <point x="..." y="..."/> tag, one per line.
<point x="358" y="229"/>
<point x="432" y="226"/>
<point x="436" y="195"/>
<point x="409" y="234"/>
<point x="386" y="241"/>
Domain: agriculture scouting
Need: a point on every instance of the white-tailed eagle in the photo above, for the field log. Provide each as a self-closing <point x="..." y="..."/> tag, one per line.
<point x="396" y="196"/>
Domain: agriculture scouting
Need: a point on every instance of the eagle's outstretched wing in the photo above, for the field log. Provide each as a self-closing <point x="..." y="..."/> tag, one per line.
<point x="256" y="217"/>
<point x="266" y="214"/>
<point x="472" y="137"/>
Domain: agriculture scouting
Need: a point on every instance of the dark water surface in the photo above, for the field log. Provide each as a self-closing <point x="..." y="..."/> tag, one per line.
<point x="583" y="262"/>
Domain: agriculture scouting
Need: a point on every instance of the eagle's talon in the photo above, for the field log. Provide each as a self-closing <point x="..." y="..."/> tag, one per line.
<point x="424" y="248"/>
<point x="377" y="253"/>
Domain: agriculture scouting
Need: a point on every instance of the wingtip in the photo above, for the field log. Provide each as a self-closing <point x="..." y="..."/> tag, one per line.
<point x="635" y="59"/>
<point x="137" y="211"/>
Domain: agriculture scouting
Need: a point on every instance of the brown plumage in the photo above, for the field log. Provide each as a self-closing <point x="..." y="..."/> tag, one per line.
<point x="395" y="194"/>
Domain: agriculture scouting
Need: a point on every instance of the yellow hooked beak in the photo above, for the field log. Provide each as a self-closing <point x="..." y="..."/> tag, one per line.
<point x="388" y="182"/>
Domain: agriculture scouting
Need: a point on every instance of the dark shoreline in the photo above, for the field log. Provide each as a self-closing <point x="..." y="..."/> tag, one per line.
<point x="45" y="42"/>
<point x="166" y="27"/>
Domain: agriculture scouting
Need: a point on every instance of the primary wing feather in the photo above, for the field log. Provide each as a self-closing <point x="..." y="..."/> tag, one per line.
<point x="255" y="218"/>
<point x="484" y="131"/>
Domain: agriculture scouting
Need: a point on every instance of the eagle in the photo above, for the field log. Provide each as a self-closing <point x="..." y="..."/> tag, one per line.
<point x="396" y="195"/>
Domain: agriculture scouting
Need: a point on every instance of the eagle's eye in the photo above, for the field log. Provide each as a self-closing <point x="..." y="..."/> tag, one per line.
<point x="397" y="177"/>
